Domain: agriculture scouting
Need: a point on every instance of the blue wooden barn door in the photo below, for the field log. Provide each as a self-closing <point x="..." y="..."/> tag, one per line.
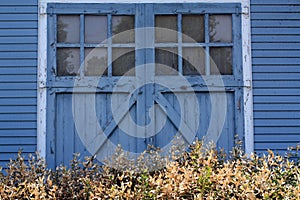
<point x="198" y="73"/>
<point x="114" y="80"/>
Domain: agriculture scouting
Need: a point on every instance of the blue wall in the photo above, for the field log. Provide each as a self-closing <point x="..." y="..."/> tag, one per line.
<point x="276" y="73"/>
<point x="18" y="77"/>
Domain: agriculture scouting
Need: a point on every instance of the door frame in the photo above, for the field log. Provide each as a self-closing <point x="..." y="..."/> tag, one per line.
<point x="43" y="106"/>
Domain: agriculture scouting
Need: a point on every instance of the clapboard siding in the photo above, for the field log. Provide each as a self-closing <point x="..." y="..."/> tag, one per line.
<point x="278" y="38"/>
<point x="276" y="73"/>
<point x="275" y="23"/>
<point x="19" y="40"/>
<point x="18" y="17"/>
<point x="18" y="78"/>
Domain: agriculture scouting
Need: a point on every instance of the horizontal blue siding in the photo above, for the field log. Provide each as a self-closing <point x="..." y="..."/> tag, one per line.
<point x="18" y="78"/>
<point x="275" y="29"/>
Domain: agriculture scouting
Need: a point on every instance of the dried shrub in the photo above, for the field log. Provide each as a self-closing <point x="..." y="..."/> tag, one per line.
<point x="201" y="173"/>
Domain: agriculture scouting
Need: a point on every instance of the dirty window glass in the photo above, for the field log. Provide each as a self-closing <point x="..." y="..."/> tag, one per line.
<point x="123" y="29"/>
<point x="68" y="61"/>
<point x="95" y="29"/>
<point x="166" y="59"/>
<point x="123" y="61"/>
<point x="68" y="28"/>
<point x="193" y="61"/>
<point x="95" y="61"/>
<point x="166" y="28"/>
<point x="193" y="28"/>
<point x="220" y="28"/>
<point x="222" y="58"/>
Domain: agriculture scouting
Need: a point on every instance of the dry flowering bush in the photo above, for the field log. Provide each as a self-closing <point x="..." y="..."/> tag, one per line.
<point x="200" y="173"/>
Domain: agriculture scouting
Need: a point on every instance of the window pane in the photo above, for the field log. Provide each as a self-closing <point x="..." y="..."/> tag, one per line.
<point x="222" y="57"/>
<point x="193" y="61"/>
<point x="166" y="59"/>
<point x="68" y="28"/>
<point x="123" y="61"/>
<point x="220" y="28"/>
<point x="95" y="61"/>
<point x="167" y="22"/>
<point x="95" y="29"/>
<point x="68" y="61"/>
<point x="121" y="24"/>
<point x="193" y="27"/>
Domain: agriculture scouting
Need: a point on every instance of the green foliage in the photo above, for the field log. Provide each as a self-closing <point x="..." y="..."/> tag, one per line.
<point x="198" y="174"/>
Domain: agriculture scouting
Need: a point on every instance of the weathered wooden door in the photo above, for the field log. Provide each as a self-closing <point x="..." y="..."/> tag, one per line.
<point x="114" y="79"/>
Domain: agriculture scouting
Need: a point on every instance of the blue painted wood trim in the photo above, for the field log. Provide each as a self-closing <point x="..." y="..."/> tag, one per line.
<point x="109" y="43"/>
<point x="149" y="59"/>
<point x="139" y="62"/>
<point x="98" y="8"/>
<point x="196" y="8"/>
<point x="179" y="39"/>
<point x="82" y="54"/>
<point x="166" y="8"/>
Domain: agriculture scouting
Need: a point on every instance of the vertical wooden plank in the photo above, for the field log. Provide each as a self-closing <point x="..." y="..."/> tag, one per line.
<point x="191" y="110"/>
<point x="68" y="130"/>
<point x="205" y="114"/>
<point x="207" y="57"/>
<point x="140" y="69"/>
<point x="217" y="115"/>
<point x="237" y="47"/>
<point x="114" y="137"/>
<point x="179" y="25"/>
<point x="53" y="39"/>
<point x="149" y="71"/>
<point x="104" y="114"/>
<point x="238" y="110"/>
<point x="109" y="43"/>
<point x="90" y="121"/>
<point x="80" y="113"/>
<point x="118" y="137"/>
<point x="81" y="45"/>
<point x="51" y="53"/>
<point x="226" y="140"/>
<point x="59" y="142"/>
<point x="51" y="101"/>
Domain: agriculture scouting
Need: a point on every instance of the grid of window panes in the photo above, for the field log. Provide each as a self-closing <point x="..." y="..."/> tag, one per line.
<point x="199" y="44"/>
<point x="105" y="44"/>
<point x="95" y="41"/>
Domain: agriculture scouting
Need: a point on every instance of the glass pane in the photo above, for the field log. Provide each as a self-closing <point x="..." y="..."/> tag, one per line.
<point x="68" y="61"/>
<point x="68" y="28"/>
<point x="123" y="61"/>
<point x="167" y="22"/>
<point x="193" y="61"/>
<point x="95" y="29"/>
<point x="193" y="27"/>
<point x="222" y="57"/>
<point x="166" y="59"/>
<point x="95" y="61"/>
<point x="121" y="24"/>
<point x="220" y="28"/>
